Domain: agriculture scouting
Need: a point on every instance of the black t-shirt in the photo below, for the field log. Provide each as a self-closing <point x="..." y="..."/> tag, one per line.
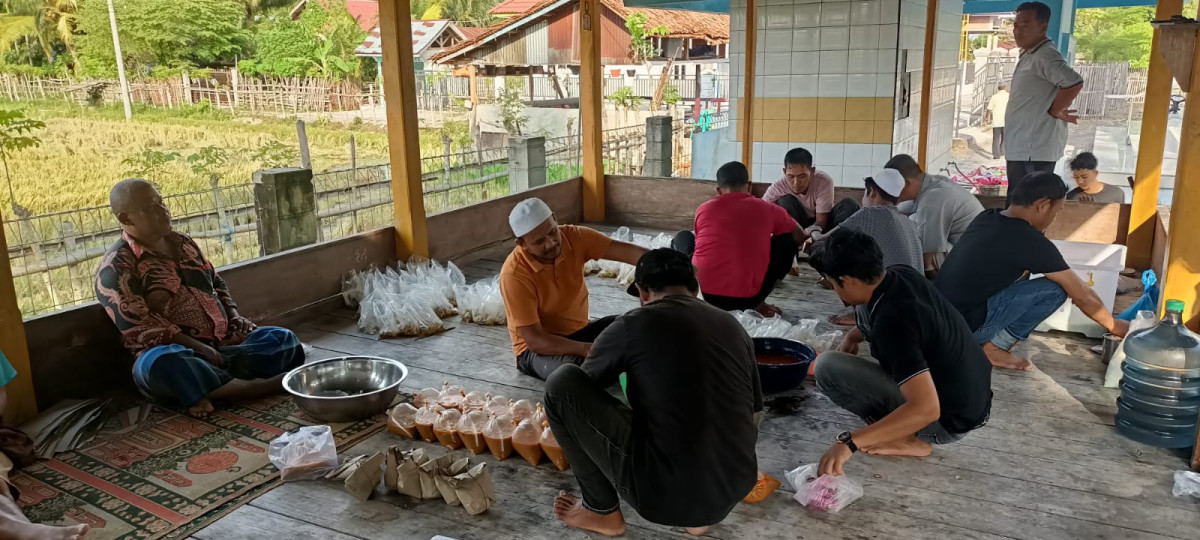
<point x="995" y="252"/>
<point x="693" y="386"/>
<point x="912" y="329"/>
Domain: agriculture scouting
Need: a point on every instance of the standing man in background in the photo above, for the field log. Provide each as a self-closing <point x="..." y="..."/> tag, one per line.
<point x="996" y="110"/>
<point x="1043" y="87"/>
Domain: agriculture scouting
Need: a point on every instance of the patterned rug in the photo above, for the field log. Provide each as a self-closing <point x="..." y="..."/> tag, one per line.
<point x="170" y="475"/>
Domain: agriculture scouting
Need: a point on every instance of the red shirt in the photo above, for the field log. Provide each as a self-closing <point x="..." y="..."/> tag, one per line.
<point x="733" y="243"/>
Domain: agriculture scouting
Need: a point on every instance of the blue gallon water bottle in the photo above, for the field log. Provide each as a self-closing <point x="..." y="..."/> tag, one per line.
<point x="1160" y="391"/>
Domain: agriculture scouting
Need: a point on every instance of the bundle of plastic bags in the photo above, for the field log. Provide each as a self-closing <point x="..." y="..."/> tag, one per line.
<point x="804" y="331"/>
<point x="481" y="302"/>
<point x="622" y="272"/>
<point x="409" y="300"/>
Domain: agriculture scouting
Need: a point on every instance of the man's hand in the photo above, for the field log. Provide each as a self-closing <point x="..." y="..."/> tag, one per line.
<point x="241" y="325"/>
<point x="1067" y="115"/>
<point x="834" y="460"/>
<point x="210" y="355"/>
<point x="1120" y="328"/>
<point x="850" y="342"/>
<point x="1085" y="197"/>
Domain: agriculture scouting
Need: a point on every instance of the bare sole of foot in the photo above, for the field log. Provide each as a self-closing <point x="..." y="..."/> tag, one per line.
<point x="47" y="532"/>
<point x="1005" y="360"/>
<point x="201" y="409"/>
<point x="909" y="447"/>
<point x="697" y="531"/>
<point x="571" y="512"/>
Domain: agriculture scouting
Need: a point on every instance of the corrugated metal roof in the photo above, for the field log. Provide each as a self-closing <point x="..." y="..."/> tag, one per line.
<point x="513" y="7"/>
<point x="423" y="33"/>
<point x="712" y="27"/>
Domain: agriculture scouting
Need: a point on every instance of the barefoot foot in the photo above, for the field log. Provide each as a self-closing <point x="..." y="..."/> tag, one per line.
<point x="697" y="531"/>
<point x="767" y="310"/>
<point x="909" y="447"/>
<point x="201" y="409"/>
<point x="1004" y="359"/>
<point x="46" y="532"/>
<point x="843" y="319"/>
<point x="571" y="512"/>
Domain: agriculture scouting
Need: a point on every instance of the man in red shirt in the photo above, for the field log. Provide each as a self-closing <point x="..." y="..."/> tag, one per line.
<point x="742" y="246"/>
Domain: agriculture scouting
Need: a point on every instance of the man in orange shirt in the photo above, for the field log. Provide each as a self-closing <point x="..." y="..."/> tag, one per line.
<point x="542" y="283"/>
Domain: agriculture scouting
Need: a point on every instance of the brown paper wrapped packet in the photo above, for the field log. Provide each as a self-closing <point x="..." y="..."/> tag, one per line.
<point x="475" y="489"/>
<point x="429" y="472"/>
<point x="392" y="457"/>
<point x="408" y="473"/>
<point x="361" y="483"/>
<point x="346" y="468"/>
<point x="443" y="479"/>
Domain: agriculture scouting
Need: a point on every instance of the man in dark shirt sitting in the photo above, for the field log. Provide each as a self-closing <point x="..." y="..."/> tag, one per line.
<point x="682" y="452"/>
<point x="988" y="275"/>
<point x="928" y="383"/>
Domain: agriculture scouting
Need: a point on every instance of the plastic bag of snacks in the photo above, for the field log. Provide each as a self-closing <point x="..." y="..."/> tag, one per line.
<point x="498" y="433"/>
<point x="482" y="303"/>
<point x="526" y="440"/>
<point x="552" y="450"/>
<point x="827" y="493"/>
<point x="402" y="420"/>
<point x="308" y="452"/>
<point x="470" y="430"/>
<point x="354" y="287"/>
<point x="445" y="428"/>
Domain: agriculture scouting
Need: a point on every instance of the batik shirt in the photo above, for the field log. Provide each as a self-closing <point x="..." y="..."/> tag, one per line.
<point x="195" y="303"/>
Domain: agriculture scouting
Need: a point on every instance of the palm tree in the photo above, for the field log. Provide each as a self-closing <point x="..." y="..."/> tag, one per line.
<point x="468" y="12"/>
<point x="17" y="21"/>
<point x="56" y="20"/>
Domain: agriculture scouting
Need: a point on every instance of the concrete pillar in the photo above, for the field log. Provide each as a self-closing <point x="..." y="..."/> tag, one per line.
<point x="286" y="207"/>
<point x="526" y="163"/>
<point x="658" y="147"/>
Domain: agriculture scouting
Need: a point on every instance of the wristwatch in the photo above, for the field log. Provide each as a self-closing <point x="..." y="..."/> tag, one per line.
<point x="844" y="438"/>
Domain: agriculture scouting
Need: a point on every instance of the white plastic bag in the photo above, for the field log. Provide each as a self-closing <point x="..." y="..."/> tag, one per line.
<point x="481" y="303"/>
<point x="1186" y="483"/>
<point x="306" y="453"/>
<point x="1112" y="376"/>
<point x="758" y="326"/>
<point x="828" y="493"/>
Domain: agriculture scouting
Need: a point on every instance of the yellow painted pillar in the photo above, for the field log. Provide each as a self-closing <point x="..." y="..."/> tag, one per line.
<point x="1150" y="147"/>
<point x="746" y="103"/>
<point x="408" y="201"/>
<point x="927" y="81"/>
<point x="1182" y="281"/>
<point x="591" y="108"/>
<point x="22" y="404"/>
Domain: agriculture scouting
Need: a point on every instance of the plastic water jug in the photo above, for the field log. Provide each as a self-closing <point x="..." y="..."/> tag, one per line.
<point x="1160" y="391"/>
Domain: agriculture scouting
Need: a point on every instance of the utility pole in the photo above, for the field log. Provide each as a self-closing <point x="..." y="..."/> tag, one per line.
<point x="112" y="20"/>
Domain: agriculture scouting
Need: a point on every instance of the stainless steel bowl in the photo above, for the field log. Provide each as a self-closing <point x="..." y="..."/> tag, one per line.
<point x="345" y="389"/>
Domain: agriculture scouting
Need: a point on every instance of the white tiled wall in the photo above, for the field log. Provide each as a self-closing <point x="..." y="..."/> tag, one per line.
<point x="945" y="78"/>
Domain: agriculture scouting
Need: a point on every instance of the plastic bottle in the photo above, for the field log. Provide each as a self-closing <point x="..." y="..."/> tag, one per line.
<point x="1160" y="391"/>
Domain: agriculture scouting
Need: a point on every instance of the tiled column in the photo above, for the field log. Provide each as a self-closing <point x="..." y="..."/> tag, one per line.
<point x="911" y="50"/>
<point x="826" y="78"/>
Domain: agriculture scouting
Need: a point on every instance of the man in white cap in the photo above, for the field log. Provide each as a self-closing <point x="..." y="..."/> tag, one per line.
<point x="879" y="218"/>
<point x="545" y="297"/>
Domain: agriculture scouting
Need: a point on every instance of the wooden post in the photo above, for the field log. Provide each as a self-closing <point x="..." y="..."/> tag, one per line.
<point x="1148" y="175"/>
<point x="408" y="201"/>
<point x="1182" y="280"/>
<point x="591" y="106"/>
<point x="214" y="182"/>
<point x="22" y="404"/>
<point x="302" y="137"/>
<point x="927" y="82"/>
<point x="746" y="110"/>
<point x="474" y="91"/>
<point x="446" y="141"/>
<point x="354" y="180"/>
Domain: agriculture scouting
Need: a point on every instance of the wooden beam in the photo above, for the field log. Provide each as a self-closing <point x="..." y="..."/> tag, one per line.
<point x="1148" y="175"/>
<point x="746" y="109"/>
<point x="408" y="203"/>
<point x="474" y="89"/>
<point x="591" y="108"/>
<point x="927" y="82"/>
<point x="22" y="404"/>
<point x="1182" y="280"/>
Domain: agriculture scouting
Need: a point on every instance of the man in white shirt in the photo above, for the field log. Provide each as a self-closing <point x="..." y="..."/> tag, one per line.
<point x="996" y="109"/>
<point x="1043" y="87"/>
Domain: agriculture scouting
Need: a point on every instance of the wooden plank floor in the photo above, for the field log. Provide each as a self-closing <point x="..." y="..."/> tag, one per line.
<point x="1048" y="465"/>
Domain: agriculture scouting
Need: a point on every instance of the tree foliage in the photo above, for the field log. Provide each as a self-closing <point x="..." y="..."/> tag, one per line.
<point x="640" y="44"/>
<point x="160" y="32"/>
<point x="1115" y="35"/>
<point x="512" y="106"/>
<point x="16" y="134"/>
<point x="320" y="44"/>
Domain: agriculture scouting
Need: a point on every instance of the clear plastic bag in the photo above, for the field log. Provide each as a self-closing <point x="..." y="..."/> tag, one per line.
<point x="497" y="405"/>
<point x="1186" y="483"/>
<point x="1112" y="376"/>
<point x="497" y="433"/>
<point x="481" y="303"/>
<point x="402" y="420"/>
<point x="425" y="396"/>
<point x="405" y="315"/>
<point x="522" y="409"/>
<point x="827" y="493"/>
<point x="552" y="450"/>
<point x="451" y="396"/>
<point x="306" y="453"/>
<point x="353" y="288"/>
<point x="470" y="430"/>
<point x="539" y="418"/>
<point x="424" y="420"/>
<point x="474" y="401"/>
<point x="526" y="439"/>
<point x="445" y="428"/>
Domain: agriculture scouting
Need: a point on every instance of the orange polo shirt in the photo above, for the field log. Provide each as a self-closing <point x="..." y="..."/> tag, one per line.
<point x="551" y="294"/>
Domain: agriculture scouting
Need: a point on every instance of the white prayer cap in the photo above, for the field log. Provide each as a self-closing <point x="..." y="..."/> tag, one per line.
<point x="527" y="215"/>
<point x="890" y="181"/>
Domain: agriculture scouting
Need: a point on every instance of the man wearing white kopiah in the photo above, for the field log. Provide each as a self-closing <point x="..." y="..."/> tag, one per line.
<point x="545" y="297"/>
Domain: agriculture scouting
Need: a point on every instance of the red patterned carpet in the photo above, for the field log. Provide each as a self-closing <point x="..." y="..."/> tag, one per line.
<point x="169" y="475"/>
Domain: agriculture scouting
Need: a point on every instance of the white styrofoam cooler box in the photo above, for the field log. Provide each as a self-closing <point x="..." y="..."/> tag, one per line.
<point x="1099" y="266"/>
